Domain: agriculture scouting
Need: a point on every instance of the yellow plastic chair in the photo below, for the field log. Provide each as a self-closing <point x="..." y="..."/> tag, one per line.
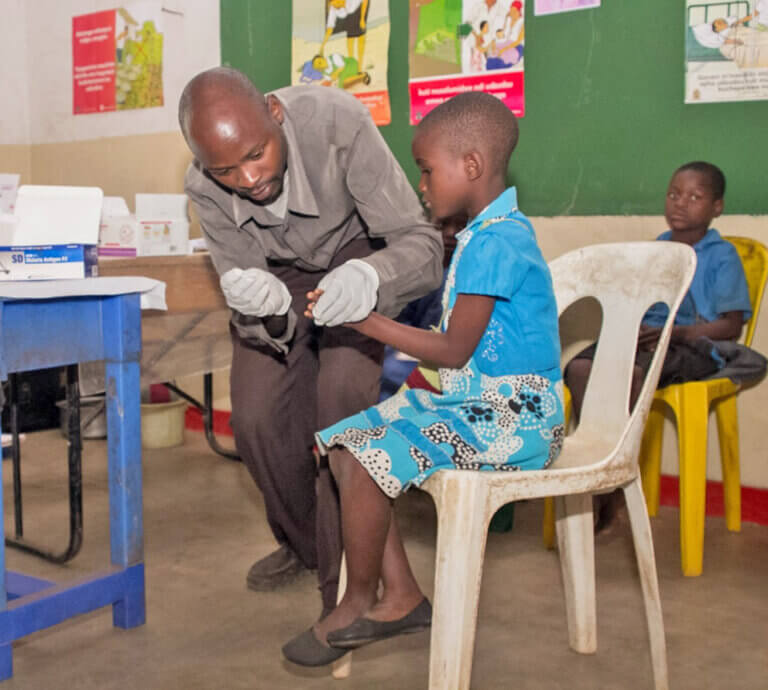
<point x="690" y="403"/>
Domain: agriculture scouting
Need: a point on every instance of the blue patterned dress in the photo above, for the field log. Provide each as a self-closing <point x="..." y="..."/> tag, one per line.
<point x="503" y="410"/>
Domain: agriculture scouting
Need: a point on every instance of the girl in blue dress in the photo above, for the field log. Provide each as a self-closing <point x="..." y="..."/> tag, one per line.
<point x="498" y="352"/>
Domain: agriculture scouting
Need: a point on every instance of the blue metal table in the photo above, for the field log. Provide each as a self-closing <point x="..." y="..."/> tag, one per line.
<point x="41" y="333"/>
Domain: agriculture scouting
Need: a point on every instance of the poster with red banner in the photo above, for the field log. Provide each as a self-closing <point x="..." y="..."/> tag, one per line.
<point x="466" y="45"/>
<point x="117" y="59"/>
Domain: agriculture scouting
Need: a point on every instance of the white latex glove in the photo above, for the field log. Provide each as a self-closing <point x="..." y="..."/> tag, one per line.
<point x="255" y="292"/>
<point x="349" y="294"/>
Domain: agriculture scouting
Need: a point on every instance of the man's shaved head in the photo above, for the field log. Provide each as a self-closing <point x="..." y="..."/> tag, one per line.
<point x="217" y="85"/>
<point x="475" y="121"/>
<point x="235" y="132"/>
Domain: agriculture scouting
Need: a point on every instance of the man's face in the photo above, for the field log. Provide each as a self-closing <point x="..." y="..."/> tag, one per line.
<point x="242" y="146"/>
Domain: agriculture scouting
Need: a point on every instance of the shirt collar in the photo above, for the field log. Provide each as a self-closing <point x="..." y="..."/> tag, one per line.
<point x="502" y="205"/>
<point x="712" y="236"/>
<point x="301" y="199"/>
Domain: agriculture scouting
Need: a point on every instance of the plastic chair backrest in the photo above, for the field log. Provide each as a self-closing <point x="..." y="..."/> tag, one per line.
<point x="754" y="258"/>
<point x="626" y="279"/>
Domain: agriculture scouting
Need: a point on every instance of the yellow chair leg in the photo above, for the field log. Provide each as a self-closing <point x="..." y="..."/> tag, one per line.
<point x="728" y="433"/>
<point x="650" y="457"/>
<point x="548" y="526"/>
<point x="692" y="412"/>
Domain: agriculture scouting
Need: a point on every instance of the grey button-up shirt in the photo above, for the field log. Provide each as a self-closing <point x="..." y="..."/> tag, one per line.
<point x="344" y="184"/>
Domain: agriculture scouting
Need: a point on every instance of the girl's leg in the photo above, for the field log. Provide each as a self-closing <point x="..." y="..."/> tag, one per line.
<point x="366" y="515"/>
<point x="401" y="591"/>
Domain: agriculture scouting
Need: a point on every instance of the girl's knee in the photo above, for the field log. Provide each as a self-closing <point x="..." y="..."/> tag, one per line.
<point x="340" y="460"/>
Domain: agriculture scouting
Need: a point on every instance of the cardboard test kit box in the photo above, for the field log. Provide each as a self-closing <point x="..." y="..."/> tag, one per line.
<point x="52" y="233"/>
<point x="159" y="227"/>
<point x="163" y="223"/>
<point x="119" y="233"/>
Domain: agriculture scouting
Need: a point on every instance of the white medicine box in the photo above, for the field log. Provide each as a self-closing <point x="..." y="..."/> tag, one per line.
<point x="119" y="232"/>
<point x="52" y="234"/>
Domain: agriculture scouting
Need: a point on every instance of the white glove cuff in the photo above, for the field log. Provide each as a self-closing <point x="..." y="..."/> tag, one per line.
<point x="285" y="298"/>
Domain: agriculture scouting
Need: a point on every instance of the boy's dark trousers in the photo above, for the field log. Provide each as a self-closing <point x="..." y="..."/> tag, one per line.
<point x="279" y="401"/>
<point x="684" y="361"/>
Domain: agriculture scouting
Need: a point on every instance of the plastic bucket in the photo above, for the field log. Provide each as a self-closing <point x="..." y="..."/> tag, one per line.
<point x="93" y="417"/>
<point x="162" y="424"/>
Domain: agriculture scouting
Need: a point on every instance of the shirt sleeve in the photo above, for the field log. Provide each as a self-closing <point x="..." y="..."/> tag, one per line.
<point x="232" y="247"/>
<point x="411" y="264"/>
<point x="730" y="291"/>
<point x="480" y="272"/>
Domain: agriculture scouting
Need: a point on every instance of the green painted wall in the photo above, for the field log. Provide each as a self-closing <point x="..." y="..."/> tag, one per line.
<point x="605" y="124"/>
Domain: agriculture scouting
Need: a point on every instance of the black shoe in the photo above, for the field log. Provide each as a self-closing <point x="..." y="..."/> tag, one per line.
<point x="307" y="650"/>
<point x="363" y="631"/>
<point x="274" y="571"/>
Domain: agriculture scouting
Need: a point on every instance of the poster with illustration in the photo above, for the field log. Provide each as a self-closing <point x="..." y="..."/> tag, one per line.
<point x="117" y="59"/>
<point x="465" y="45"/>
<point x="726" y="51"/>
<point x="343" y="44"/>
<point x="557" y="6"/>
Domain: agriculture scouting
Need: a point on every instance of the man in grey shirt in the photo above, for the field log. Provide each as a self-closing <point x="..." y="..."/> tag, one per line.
<point x="298" y="190"/>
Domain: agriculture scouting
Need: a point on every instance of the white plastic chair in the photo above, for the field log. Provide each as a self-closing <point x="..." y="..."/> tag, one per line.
<point x="599" y="456"/>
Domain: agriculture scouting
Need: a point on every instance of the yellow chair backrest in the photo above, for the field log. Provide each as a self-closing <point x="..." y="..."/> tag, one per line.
<point x="754" y="258"/>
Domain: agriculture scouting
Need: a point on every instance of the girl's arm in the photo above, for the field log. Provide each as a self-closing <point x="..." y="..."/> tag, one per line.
<point x="451" y="349"/>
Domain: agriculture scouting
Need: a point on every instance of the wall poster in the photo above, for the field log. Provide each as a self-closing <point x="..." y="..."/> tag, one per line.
<point x="117" y="59"/>
<point x="465" y="45"/>
<point x="726" y="51"/>
<point x="344" y="44"/>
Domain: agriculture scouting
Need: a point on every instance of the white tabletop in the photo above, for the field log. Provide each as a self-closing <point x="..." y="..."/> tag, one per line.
<point x="152" y="291"/>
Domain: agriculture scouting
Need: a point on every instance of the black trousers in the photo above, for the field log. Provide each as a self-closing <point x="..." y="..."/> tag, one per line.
<point x="279" y="401"/>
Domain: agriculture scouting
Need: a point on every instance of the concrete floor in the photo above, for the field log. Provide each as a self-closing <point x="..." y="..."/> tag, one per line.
<point x="204" y="526"/>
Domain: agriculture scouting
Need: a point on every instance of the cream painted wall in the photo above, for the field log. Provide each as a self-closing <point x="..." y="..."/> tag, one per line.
<point x="190" y="45"/>
<point x="14" y="97"/>
<point x="121" y="166"/>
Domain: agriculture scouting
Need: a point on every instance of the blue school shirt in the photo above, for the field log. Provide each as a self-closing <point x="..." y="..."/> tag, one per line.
<point x="718" y="286"/>
<point x="503" y="261"/>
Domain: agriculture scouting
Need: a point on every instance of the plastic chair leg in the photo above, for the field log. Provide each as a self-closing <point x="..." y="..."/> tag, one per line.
<point x="646" y="566"/>
<point x="548" y="523"/>
<point x="342" y="667"/>
<point x="727" y="417"/>
<point x="650" y="457"/>
<point x="576" y="542"/>
<point x="692" y="413"/>
<point x="458" y="572"/>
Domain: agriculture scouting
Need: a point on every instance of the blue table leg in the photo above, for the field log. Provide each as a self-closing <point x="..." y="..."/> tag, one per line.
<point x="122" y="345"/>
<point x="6" y="653"/>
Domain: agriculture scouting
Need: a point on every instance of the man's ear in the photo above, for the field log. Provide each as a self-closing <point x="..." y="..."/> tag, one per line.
<point x="719" y="205"/>
<point x="275" y="108"/>
<point x="474" y="165"/>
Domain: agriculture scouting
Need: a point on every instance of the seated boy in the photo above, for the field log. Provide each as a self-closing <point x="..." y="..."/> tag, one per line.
<point x="714" y="309"/>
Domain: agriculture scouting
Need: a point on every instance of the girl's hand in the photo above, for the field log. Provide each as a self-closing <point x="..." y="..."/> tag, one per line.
<point x="312" y="297"/>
